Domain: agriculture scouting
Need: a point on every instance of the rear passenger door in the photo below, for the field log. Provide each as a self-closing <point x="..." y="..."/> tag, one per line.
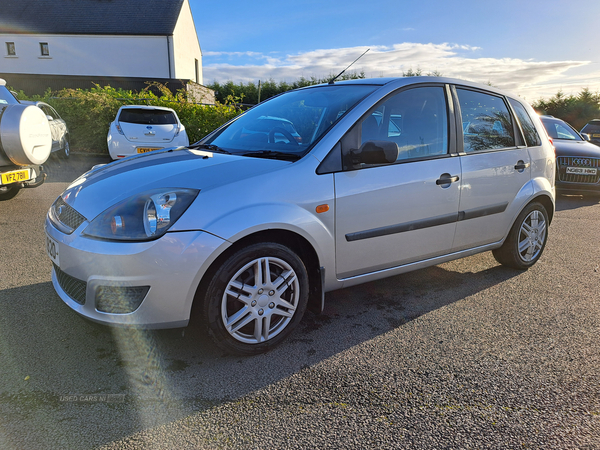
<point x="495" y="169"/>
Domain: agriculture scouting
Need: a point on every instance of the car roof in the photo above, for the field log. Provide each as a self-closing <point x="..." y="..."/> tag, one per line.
<point x="407" y="81"/>
<point x="149" y="107"/>
<point x="2" y="82"/>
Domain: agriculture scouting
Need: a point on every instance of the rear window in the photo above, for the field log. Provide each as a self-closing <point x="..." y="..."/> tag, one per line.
<point x="147" y="116"/>
<point x="593" y="127"/>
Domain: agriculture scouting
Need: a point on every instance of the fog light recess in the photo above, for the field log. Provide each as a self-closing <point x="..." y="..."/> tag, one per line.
<point x="120" y="299"/>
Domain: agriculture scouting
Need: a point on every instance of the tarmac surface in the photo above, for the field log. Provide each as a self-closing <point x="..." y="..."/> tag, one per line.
<point x="466" y="354"/>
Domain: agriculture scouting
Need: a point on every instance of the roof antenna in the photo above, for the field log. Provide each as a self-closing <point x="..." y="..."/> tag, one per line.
<point x="341" y="73"/>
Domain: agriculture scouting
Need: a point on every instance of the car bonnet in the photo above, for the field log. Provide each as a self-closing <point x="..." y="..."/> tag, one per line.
<point x="105" y="186"/>
<point x="576" y="148"/>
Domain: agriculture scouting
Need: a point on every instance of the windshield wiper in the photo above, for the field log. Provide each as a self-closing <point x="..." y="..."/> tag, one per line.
<point x="272" y="154"/>
<point x="212" y="148"/>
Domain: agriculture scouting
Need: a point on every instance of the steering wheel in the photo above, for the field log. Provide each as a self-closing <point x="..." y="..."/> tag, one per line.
<point x="286" y="134"/>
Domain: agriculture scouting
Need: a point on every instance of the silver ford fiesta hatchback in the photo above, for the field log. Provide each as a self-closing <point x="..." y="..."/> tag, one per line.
<point x="379" y="177"/>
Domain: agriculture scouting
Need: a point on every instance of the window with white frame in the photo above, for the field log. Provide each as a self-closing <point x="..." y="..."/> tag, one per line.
<point x="10" y="49"/>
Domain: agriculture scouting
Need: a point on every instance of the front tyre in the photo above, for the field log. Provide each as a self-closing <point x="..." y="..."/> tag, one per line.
<point x="256" y="298"/>
<point x="526" y="240"/>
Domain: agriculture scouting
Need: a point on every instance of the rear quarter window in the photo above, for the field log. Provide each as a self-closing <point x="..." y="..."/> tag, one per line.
<point x="532" y="138"/>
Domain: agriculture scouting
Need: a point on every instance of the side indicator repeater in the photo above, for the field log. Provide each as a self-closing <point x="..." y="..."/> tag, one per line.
<point x="322" y="208"/>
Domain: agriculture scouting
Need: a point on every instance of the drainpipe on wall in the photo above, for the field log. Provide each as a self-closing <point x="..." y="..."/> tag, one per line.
<point x="169" y="55"/>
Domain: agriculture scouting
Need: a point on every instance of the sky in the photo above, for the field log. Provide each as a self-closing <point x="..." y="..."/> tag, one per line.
<point x="533" y="48"/>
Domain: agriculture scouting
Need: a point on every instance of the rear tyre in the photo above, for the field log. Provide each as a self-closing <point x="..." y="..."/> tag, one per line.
<point x="256" y="298"/>
<point x="66" y="151"/>
<point x="11" y="191"/>
<point x="526" y="240"/>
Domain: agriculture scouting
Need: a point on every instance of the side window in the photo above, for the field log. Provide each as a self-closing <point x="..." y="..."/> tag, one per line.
<point x="415" y="119"/>
<point x="531" y="135"/>
<point x="486" y="121"/>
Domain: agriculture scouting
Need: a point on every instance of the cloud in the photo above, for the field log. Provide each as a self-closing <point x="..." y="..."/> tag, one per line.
<point x="529" y="78"/>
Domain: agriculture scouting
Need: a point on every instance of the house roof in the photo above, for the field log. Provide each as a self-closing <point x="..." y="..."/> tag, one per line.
<point x="114" y="17"/>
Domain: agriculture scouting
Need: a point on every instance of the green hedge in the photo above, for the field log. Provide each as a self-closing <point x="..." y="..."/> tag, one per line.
<point x="88" y="113"/>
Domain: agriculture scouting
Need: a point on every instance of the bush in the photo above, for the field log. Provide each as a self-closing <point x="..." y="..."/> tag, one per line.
<point x="88" y="113"/>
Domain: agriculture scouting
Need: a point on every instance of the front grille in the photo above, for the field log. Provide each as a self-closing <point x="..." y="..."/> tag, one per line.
<point x="72" y="286"/>
<point x="67" y="215"/>
<point x="578" y="161"/>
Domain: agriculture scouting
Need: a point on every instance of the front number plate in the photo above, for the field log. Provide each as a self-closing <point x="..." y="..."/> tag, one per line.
<point x="52" y="250"/>
<point x="581" y="171"/>
<point x="16" y="176"/>
<point x="147" y="149"/>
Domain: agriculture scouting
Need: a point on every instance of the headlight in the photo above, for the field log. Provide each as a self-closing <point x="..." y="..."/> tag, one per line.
<point x="143" y="217"/>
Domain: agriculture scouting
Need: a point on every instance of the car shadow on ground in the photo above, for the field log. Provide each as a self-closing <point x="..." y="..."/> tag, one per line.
<point x="156" y="377"/>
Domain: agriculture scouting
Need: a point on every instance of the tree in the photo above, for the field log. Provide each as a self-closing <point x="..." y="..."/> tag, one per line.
<point x="577" y="110"/>
<point x="248" y="93"/>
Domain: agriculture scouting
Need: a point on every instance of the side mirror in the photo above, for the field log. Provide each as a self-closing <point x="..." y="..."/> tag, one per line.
<point x="375" y="152"/>
<point x="586" y="136"/>
<point x="50" y="118"/>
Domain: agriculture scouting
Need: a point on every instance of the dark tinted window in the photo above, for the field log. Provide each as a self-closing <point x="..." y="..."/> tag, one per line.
<point x="531" y="135"/>
<point x="486" y="122"/>
<point x="558" y="129"/>
<point x="592" y="127"/>
<point x="147" y="116"/>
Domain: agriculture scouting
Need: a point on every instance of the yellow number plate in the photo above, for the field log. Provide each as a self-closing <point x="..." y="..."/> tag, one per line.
<point x="16" y="176"/>
<point x="147" y="149"/>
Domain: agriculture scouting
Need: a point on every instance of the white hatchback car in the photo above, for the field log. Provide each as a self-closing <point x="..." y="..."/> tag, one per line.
<point x="389" y="176"/>
<point x="141" y="129"/>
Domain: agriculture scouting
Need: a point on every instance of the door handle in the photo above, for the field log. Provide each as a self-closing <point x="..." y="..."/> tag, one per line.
<point x="446" y="178"/>
<point x="521" y="166"/>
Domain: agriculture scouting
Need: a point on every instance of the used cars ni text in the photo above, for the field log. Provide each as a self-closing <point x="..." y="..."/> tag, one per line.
<point x="577" y="160"/>
<point x="389" y="176"/>
<point x="140" y="129"/>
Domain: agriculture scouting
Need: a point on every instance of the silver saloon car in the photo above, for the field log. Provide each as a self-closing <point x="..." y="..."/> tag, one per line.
<point x="388" y="176"/>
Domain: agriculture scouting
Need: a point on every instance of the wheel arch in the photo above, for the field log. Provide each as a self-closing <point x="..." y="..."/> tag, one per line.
<point x="547" y="203"/>
<point x="294" y="241"/>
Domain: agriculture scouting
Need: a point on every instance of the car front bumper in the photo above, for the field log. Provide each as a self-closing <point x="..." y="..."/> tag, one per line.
<point x="96" y="278"/>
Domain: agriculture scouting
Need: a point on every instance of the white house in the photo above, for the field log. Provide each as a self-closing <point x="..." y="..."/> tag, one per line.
<point x="122" y="43"/>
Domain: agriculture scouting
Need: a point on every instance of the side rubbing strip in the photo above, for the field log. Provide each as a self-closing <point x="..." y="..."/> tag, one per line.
<point x="427" y="223"/>
<point x="402" y="227"/>
<point x="480" y="212"/>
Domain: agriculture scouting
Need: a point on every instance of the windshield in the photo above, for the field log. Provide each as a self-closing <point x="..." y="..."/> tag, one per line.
<point x="288" y="125"/>
<point x="6" y="98"/>
<point x="557" y="129"/>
